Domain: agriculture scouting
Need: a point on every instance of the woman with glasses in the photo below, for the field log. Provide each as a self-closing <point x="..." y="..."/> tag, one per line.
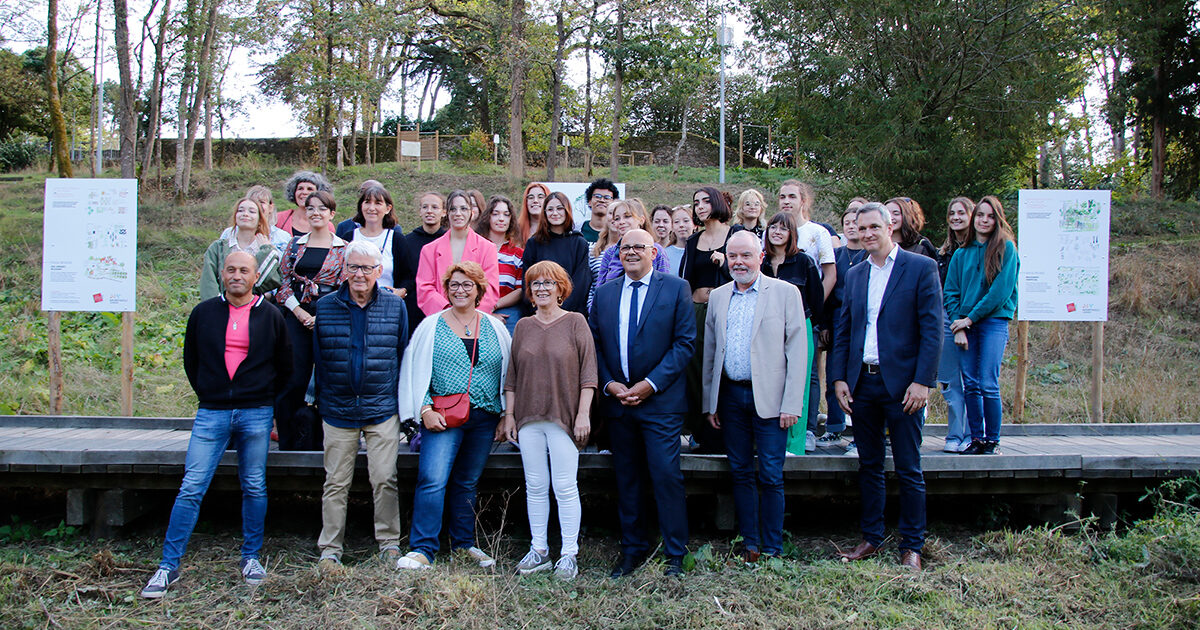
<point x="450" y="381"/>
<point x="749" y="213"/>
<point x="312" y="267"/>
<point x="459" y="244"/>
<point x="556" y="240"/>
<point x="623" y="216"/>
<point x="549" y="388"/>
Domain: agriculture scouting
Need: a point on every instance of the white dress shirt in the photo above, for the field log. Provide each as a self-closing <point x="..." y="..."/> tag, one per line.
<point x="623" y="314"/>
<point x="877" y="280"/>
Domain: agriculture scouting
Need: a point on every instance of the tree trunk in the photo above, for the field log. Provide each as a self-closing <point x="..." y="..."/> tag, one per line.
<point x="516" y="114"/>
<point x="341" y="138"/>
<point x="687" y="106"/>
<point x="614" y="158"/>
<point x="556" y="91"/>
<point x="58" y="125"/>
<point x="203" y="77"/>
<point x="208" y="138"/>
<point x="354" y="112"/>
<point x="125" y="115"/>
<point x="587" y="88"/>
<point x="1158" y="135"/>
<point x="183" y="162"/>
<point x="485" y="114"/>
<point x="156" y="83"/>
<point x="1044" y="165"/>
<point x="1087" y="130"/>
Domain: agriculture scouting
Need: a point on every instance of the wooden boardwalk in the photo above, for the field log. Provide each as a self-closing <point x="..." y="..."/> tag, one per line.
<point x="105" y="463"/>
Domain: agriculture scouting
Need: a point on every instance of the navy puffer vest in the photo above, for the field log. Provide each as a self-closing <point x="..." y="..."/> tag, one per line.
<point x="373" y="399"/>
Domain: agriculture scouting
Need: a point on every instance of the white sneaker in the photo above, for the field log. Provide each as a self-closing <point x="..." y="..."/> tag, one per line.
<point x="952" y="446"/>
<point x="810" y="442"/>
<point x="485" y="561"/>
<point x="566" y="568"/>
<point x="534" y="562"/>
<point x="253" y="572"/>
<point x="852" y="450"/>
<point x="413" y="560"/>
<point x="159" y="583"/>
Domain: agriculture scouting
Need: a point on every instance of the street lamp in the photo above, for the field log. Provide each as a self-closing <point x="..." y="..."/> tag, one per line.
<point x="724" y="38"/>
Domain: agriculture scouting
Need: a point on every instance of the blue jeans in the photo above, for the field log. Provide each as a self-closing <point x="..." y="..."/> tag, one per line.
<point x="513" y="314"/>
<point x="875" y="411"/>
<point x="447" y="473"/>
<point x="757" y="498"/>
<point x="980" y="364"/>
<point x="251" y="432"/>
<point x="950" y="382"/>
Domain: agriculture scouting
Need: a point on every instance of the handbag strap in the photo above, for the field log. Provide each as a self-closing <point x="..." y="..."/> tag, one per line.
<point x="474" y="354"/>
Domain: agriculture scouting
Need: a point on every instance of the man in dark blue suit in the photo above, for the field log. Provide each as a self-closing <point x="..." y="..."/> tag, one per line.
<point x="884" y="358"/>
<point x="645" y="333"/>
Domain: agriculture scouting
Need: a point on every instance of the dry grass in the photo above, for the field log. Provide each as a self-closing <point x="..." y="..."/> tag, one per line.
<point x="1034" y="578"/>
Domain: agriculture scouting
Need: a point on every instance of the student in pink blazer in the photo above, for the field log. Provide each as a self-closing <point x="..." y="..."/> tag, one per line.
<point x="459" y="244"/>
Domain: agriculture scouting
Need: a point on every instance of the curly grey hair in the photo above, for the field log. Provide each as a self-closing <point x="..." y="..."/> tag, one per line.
<point x="316" y="179"/>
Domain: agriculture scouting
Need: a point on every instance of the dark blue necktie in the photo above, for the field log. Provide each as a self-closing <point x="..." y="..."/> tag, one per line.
<point x="633" y="325"/>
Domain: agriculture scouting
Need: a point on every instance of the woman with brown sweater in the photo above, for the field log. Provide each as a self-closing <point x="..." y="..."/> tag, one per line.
<point x="551" y="380"/>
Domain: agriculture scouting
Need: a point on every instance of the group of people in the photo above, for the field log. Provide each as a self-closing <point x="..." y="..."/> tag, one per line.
<point x="501" y="321"/>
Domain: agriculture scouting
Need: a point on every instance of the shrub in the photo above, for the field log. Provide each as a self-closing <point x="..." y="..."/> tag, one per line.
<point x="1169" y="542"/>
<point x="474" y="148"/>
<point x="19" y="152"/>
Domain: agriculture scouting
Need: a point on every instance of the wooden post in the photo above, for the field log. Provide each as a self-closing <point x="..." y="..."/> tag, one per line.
<point x="741" y="154"/>
<point x="437" y="145"/>
<point x="127" y="364"/>
<point x="768" y="146"/>
<point x="1097" y="398"/>
<point x="54" y="341"/>
<point x="1022" y="370"/>
<point x="496" y="152"/>
<point x="419" y="153"/>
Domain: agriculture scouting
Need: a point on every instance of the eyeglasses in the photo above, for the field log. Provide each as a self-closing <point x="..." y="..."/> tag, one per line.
<point x="363" y="269"/>
<point x="460" y="286"/>
<point x="637" y="247"/>
<point x="539" y="285"/>
<point x="600" y="197"/>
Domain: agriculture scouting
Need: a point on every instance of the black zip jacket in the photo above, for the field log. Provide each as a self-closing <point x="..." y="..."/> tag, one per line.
<point x="263" y="372"/>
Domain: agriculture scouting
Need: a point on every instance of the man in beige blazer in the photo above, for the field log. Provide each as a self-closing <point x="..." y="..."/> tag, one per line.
<point x="755" y="372"/>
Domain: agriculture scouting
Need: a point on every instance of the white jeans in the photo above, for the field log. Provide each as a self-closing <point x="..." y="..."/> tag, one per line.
<point x="550" y="457"/>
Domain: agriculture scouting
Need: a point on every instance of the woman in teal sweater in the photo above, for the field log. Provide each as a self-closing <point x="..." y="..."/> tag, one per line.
<point x="981" y="298"/>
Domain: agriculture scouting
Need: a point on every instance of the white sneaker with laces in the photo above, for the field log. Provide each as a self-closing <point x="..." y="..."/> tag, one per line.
<point x="413" y="560"/>
<point x="253" y="572"/>
<point x="810" y="442"/>
<point x="160" y="582"/>
<point x="952" y="446"/>
<point x="566" y="568"/>
<point x="485" y="561"/>
<point x="533" y="562"/>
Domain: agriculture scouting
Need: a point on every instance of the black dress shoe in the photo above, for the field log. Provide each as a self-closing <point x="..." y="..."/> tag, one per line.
<point x="674" y="566"/>
<point x="629" y="564"/>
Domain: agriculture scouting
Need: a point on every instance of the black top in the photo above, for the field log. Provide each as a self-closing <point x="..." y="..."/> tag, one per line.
<point x="261" y="375"/>
<point x="922" y="247"/>
<point x="413" y="242"/>
<point x="801" y="271"/>
<point x="697" y="266"/>
<point x="844" y="258"/>
<point x="571" y="251"/>
<point x="310" y="264"/>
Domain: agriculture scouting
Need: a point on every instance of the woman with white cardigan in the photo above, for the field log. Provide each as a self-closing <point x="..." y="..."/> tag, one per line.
<point x="451" y="379"/>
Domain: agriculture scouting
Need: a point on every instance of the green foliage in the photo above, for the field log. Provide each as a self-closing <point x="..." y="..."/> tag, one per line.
<point x="19" y="152"/>
<point x="1169" y="542"/>
<point x="472" y="149"/>
<point x="19" y="531"/>
<point x="926" y="100"/>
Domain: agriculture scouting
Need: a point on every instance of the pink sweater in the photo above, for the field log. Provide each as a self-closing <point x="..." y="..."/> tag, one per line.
<point x="436" y="257"/>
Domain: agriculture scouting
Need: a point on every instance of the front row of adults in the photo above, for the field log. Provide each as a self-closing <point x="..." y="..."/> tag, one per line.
<point x="470" y="384"/>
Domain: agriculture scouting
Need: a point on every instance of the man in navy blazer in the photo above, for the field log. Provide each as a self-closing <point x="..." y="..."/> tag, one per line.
<point x="885" y="356"/>
<point x="645" y="334"/>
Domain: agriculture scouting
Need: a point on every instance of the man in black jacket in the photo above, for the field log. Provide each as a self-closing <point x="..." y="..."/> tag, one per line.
<point x="237" y="356"/>
<point x="360" y="336"/>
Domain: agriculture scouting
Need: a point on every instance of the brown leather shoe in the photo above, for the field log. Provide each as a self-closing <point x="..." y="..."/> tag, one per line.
<point x="910" y="560"/>
<point x="863" y="551"/>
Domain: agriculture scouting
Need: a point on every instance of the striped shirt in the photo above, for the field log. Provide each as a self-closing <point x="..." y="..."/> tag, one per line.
<point x="509" y="259"/>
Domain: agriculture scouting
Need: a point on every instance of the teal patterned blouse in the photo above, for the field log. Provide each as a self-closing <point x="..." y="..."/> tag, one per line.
<point x="452" y="365"/>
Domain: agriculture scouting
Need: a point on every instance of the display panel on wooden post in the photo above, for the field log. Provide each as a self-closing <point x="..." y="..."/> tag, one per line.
<point x="89" y="263"/>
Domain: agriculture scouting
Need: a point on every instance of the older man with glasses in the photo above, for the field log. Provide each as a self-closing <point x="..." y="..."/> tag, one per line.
<point x="361" y="333"/>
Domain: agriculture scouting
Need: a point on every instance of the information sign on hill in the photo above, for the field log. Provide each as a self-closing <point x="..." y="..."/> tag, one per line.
<point x="1064" y="255"/>
<point x="89" y="245"/>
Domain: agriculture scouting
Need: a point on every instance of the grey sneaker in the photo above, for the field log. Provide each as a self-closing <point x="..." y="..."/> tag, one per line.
<point x="478" y="555"/>
<point x="566" y="568"/>
<point x="390" y="555"/>
<point x="159" y="583"/>
<point x="810" y="442"/>
<point x="829" y="439"/>
<point x="852" y="450"/>
<point x="534" y="562"/>
<point x="253" y="572"/>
